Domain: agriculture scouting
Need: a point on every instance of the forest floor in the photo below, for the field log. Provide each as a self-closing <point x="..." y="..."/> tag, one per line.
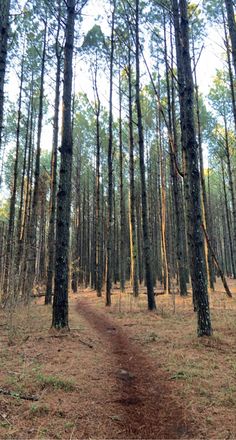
<point x="121" y="372"/>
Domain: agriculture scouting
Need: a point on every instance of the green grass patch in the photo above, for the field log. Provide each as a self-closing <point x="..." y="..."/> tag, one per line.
<point x="69" y="425"/>
<point x="55" y="382"/>
<point x="39" y="410"/>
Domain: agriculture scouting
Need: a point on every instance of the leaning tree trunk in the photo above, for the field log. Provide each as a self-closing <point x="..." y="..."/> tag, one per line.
<point x="230" y="246"/>
<point x="60" y="300"/>
<point x="147" y="247"/>
<point x="4" y="25"/>
<point x="196" y="239"/>
<point x="205" y="210"/>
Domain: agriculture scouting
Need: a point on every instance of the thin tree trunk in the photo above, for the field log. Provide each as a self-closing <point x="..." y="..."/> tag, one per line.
<point x="180" y="233"/>
<point x="231" y="76"/>
<point x="147" y="247"/>
<point x="163" y="210"/>
<point x="232" y="28"/>
<point x="53" y="195"/>
<point x="223" y="279"/>
<point x="4" y="26"/>
<point x="32" y="241"/>
<point x="132" y="196"/>
<point x="23" y="183"/>
<point x="228" y="221"/>
<point x="122" y="200"/>
<point x="11" y="225"/>
<point x="98" y="281"/>
<point x="110" y="171"/>
<point x="206" y="218"/>
<point x="231" y="189"/>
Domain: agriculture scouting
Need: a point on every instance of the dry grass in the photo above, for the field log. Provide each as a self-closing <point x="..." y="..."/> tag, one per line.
<point x="75" y="383"/>
<point x="205" y="368"/>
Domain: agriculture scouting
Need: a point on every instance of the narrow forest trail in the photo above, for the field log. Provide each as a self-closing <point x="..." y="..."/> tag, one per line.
<point x="120" y="372"/>
<point x="145" y="395"/>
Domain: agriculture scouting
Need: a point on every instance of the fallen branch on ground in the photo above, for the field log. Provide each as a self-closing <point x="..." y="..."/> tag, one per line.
<point x="86" y="343"/>
<point x="18" y="395"/>
<point x="65" y="335"/>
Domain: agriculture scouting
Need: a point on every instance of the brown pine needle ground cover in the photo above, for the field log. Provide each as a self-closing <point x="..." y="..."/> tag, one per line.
<point x="121" y="372"/>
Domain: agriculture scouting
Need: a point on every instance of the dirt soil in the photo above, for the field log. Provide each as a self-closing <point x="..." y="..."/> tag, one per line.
<point x="144" y="398"/>
<point x="120" y="373"/>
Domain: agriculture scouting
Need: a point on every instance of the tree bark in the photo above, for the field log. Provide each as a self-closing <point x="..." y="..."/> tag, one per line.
<point x="4" y="26"/>
<point x="232" y="29"/>
<point x="110" y="171"/>
<point x="98" y="269"/>
<point x="53" y="195"/>
<point x="60" y="300"/>
<point x="122" y="199"/>
<point x="147" y="247"/>
<point x="196" y="240"/>
<point x="11" y="224"/>
<point x="32" y="231"/>
<point x="209" y="262"/>
<point x="132" y="196"/>
<point x="230" y="241"/>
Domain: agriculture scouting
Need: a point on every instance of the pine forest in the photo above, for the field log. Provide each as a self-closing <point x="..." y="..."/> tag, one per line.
<point x="117" y="219"/>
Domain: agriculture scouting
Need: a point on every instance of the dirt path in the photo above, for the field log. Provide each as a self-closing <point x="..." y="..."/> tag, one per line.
<point x="145" y="396"/>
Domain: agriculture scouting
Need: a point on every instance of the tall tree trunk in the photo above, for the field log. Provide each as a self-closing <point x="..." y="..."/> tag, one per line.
<point x="98" y="281"/>
<point x="177" y="187"/>
<point x="206" y="218"/>
<point x="22" y="253"/>
<point x="163" y="224"/>
<point x="110" y="171"/>
<point x="229" y="234"/>
<point x="231" y="189"/>
<point x="11" y="224"/>
<point x="232" y="28"/>
<point x="147" y="247"/>
<point x="132" y="196"/>
<point x="53" y="195"/>
<point x="163" y="208"/>
<point x="23" y="183"/>
<point x="60" y="300"/>
<point x="32" y="241"/>
<point x="229" y="62"/>
<point x="122" y="199"/>
<point x="196" y="239"/>
<point x="41" y="257"/>
<point x="4" y="26"/>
